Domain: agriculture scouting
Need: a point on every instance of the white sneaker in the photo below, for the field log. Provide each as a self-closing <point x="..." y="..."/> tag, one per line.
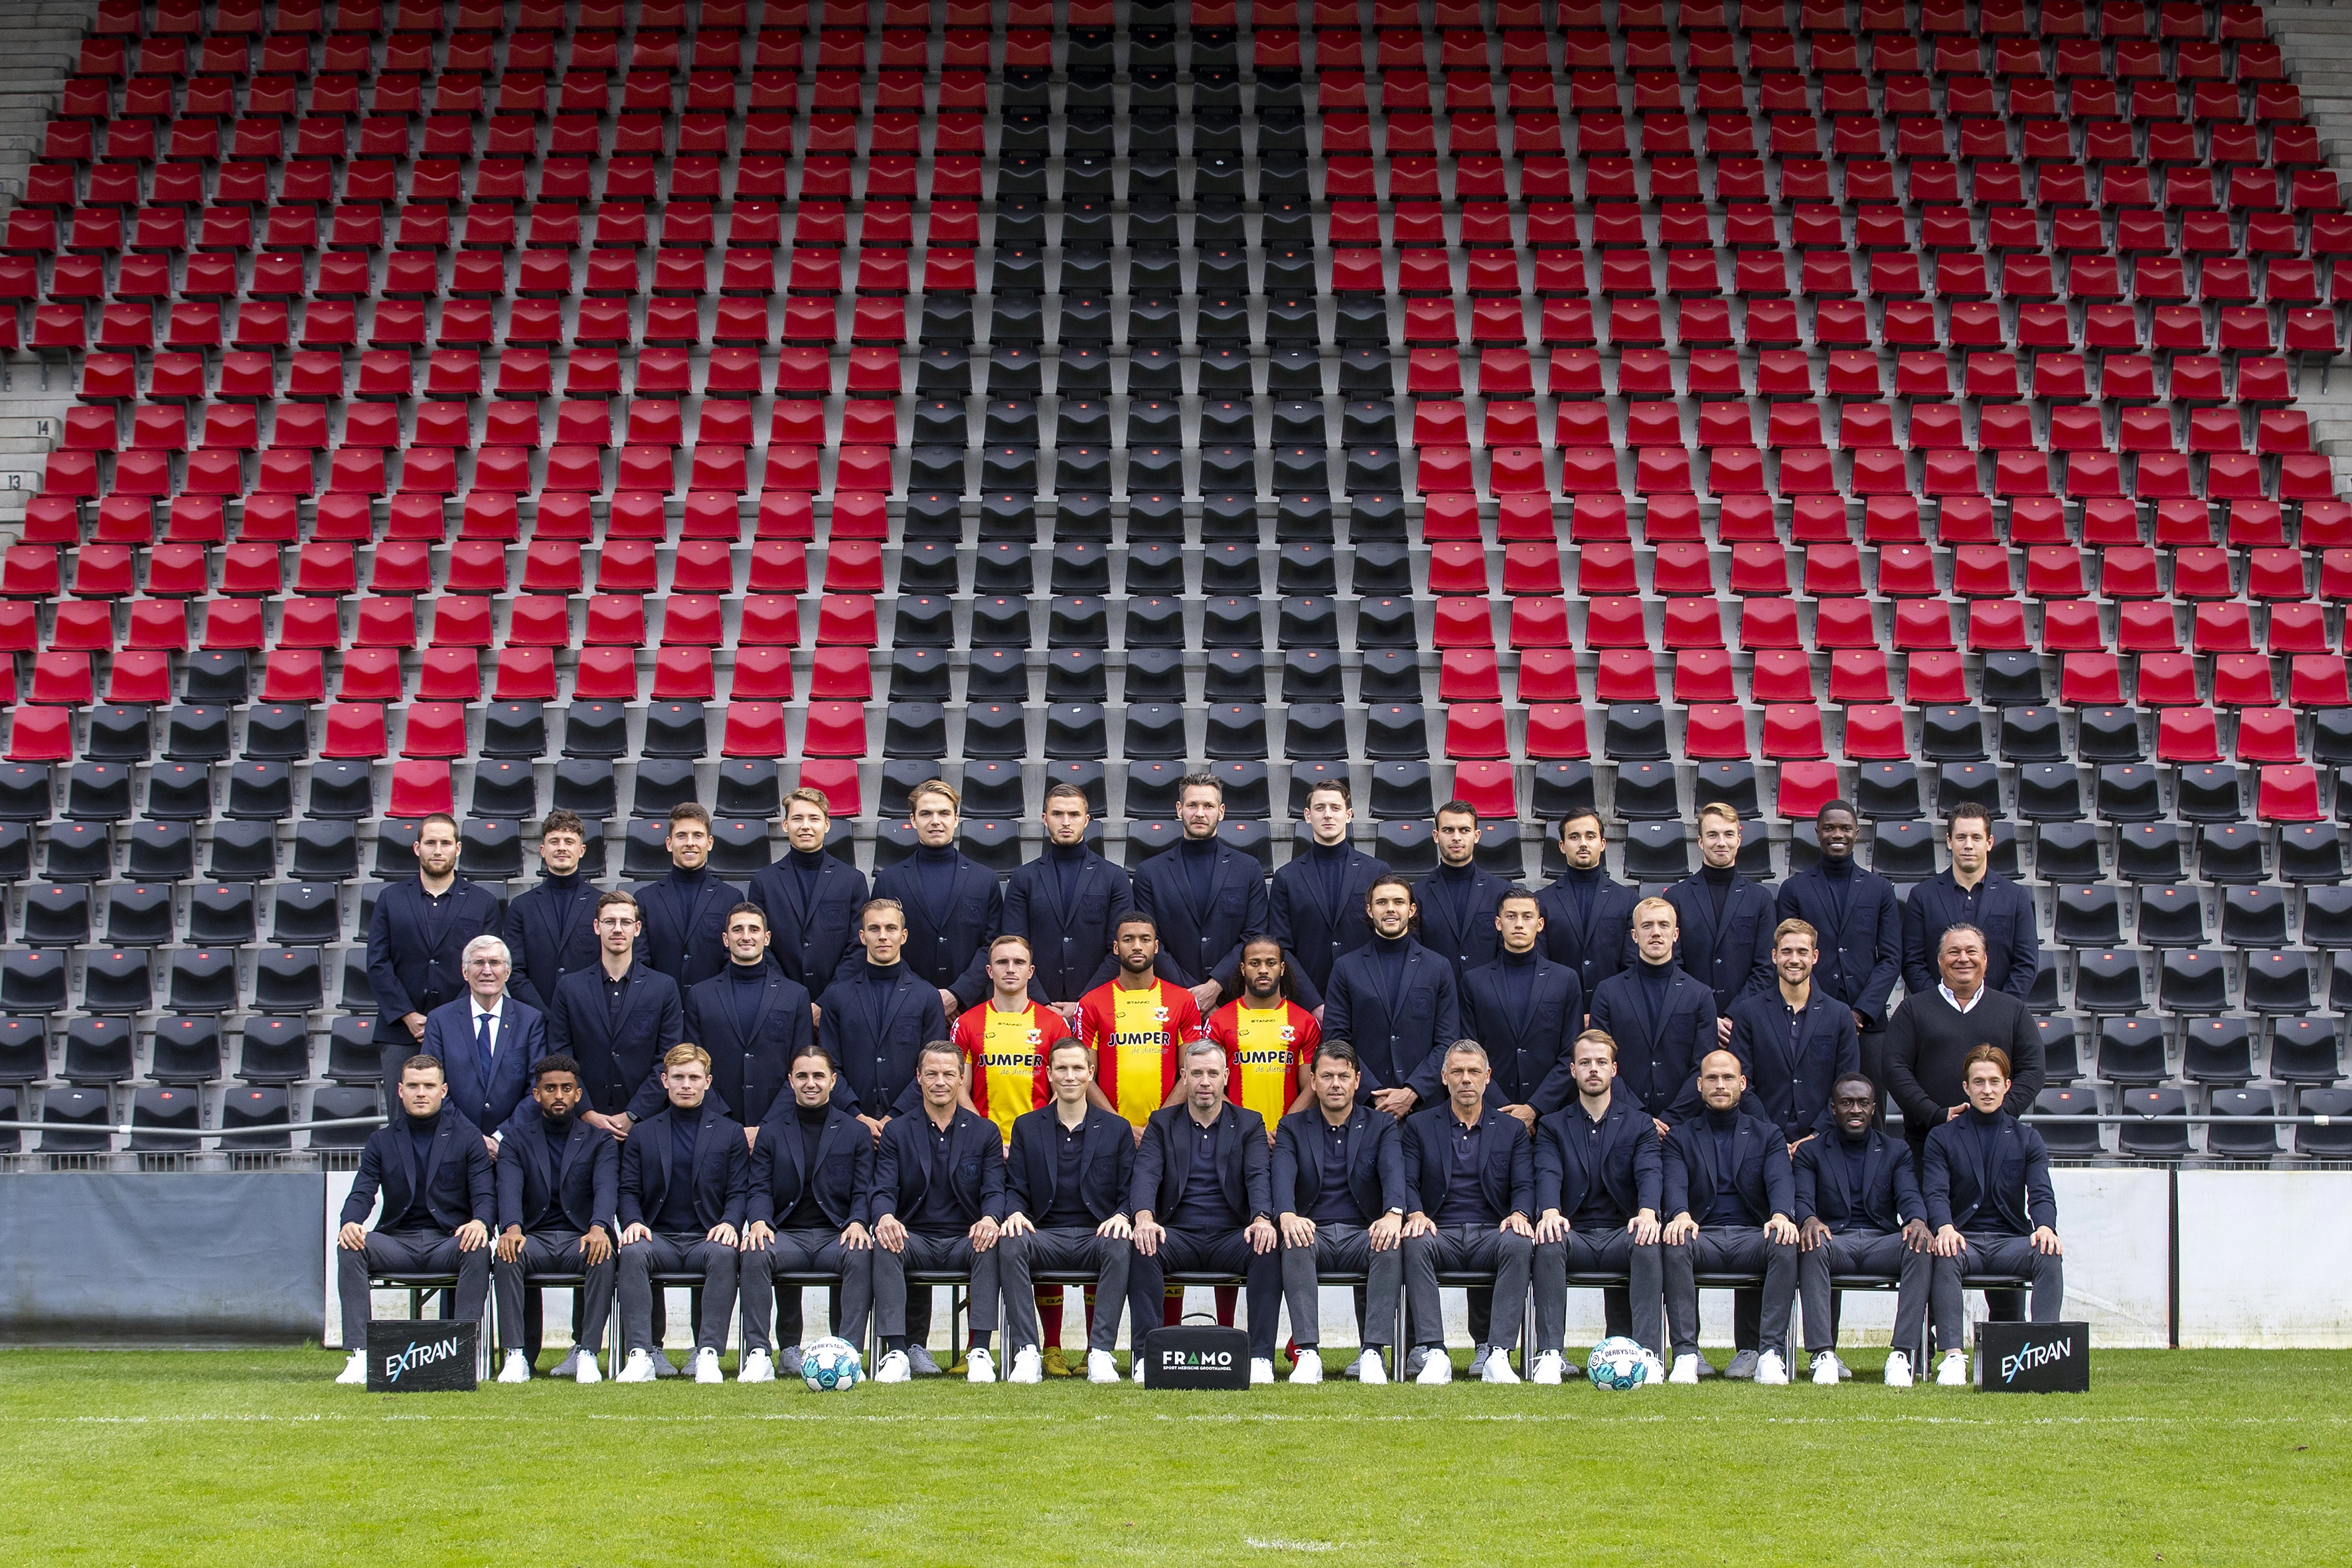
<point x="354" y="1370"/>
<point x="1771" y="1370"/>
<point x="895" y="1368"/>
<point x="1102" y="1367"/>
<point x="569" y="1365"/>
<point x="1653" y="1371"/>
<point x="517" y="1368"/>
<point x="1498" y="1366"/>
<point x="1310" y="1370"/>
<point x="1354" y="1371"/>
<point x="639" y="1369"/>
<point x="1135" y="1359"/>
<point x="705" y="1363"/>
<point x="1370" y="1371"/>
<point x="1261" y="1370"/>
<point x="1685" y="1372"/>
<point x="757" y="1367"/>
<point x="980" y="1367"/>
<point x="584" y="1369"/>
<point x="1028" y="1365"/>
<point x="1550" y="1367"/>
<point x="1436" y="1369"/>
<point x="1898" y="1370"/>
<point x="1827" y="1370"/>
<point x="1952" y="1371"/>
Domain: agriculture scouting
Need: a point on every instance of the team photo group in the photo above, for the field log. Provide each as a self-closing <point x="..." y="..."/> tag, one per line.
<point x="1122" y="1084"/>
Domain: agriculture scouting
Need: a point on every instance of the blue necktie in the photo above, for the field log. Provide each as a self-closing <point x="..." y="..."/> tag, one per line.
<point x="482" y="1053"/>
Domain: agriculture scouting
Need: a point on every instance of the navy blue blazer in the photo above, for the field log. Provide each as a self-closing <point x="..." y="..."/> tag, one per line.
<point x="1313" y="931"/>
<point x="550" y="931"/>
<point x="1402" y="1041"/>
<point x="570" y="1185"/>
<point x="1457" y="917"/>
<point x="521" y="1041"/>
<point x="877" y="1066"/>
<point x="1163" y="1163"/>
<point x="749" y="1073"/>
<point x="1759" y="1170"/>
<point x="620" y="1061"/>
<point x="1375" y="1162"/>
<point x="2003" y="911"/>
<point x="457" y="1178"/>
<point x="1032" y="1165"/>
<point x="1596" y="948"/>
<point x="1657" y="1059"/>
<point x="722" y="1169"/>
<point x="1734" y="960"/>
<point x="844" y="1167"/>
<point x="1529" y="1046"/>
<point x="1507" y="1168"/>
<point x="414" y="966"/>
<point x="1626" y="1163"/>
<point x="1789" y="1085"/>
<point x="904" y="1167"/>
<point x="685" y="926"/>
<point x="1861" y="953"/>
<point x="1070" y="943"/>
<point x="2017" y="1198"/>
<point x="1203" y="941"/>
<point x="949" y="946"/>
<point x="810" y="942"/>
<point x="1887" y="1198"/>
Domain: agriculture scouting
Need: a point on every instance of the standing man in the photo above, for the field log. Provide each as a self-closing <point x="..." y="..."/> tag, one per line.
<point x="1005" y="1043"/>
<point x="1067" y="1180"/>
<point x="751" y="1019"/>
<point x="685" y="1178"/>
<point x="938" y="1200"/>
<point x="1266" y="1036"/>
<point x="417" y="941"/>
<point x="1732" y="1169"/>
<point x="1662" y="1019"/>
<point x="1067" y="904"/>
<point x="1860" y="923"/>
<point x="559" y="1185"/>
<point x="440" y="1202"/>
<point x="1859" y="1211"/>
<point x="1588" y="917"/>
<point x="487" y="1041"/>
<point x="1724" y="920"/>
<point x="1527" y="1009"/>
<point x="1136" y="1025"/>
<point x="550" y="926"/>
<point x="1967" y="893"/>
<point x="950" y="902"/>
<point x="618" y="1020"/>
<point x="1986" y="1184"/>
<point x="811" y="898"/>
<point x="876" y="1019"/>
<point x="1205" y="895"/>
<point x="1458" y="899"/>
<point x="1598" y="1183"/>
<point x="810" y="1165"/>
<point x="1316" y="904"/>
<point x="1395" y="1002"/>
<point x="1340" y="1189"/>
<point x="1930" y="1043"/>
<point x="1794" y="1041"/>
<point x="684" y="914"/>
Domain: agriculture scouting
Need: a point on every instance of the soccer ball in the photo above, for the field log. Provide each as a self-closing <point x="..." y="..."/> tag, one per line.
<point x="830" y="1365"/>
<point x="1617" y="1365"/>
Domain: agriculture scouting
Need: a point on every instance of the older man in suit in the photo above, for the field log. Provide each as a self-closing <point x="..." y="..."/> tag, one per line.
<point x="810" y="1165"/>
<point x="685" y="1178"/>
<point x="559" y="1183"/>
<point x="618" y="1020"/>
<point x="1396" y="1002"/>
<point x="685" y="912"/>
<point x="938" y="1202"/>
<point x="1206" y="898"/>
<point x="416" y="940"/>
<point x="1662" y="1019"/>
<point x="1067" y="1177"/>
<point x="1727" y="1185"/>
<point x="1597" y="1186"/>
<point x="550" y="927"/>
<point x="1859" y="1212"/>
<point x="811" y="896"/>
<point x="1340" y="1190"/>
<point x="488" y="1040"/>
<point x="750" y="1019"/>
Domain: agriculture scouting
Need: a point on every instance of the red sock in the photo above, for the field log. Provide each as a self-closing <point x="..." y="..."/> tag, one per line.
<point x="1171" y="1306"/>
<point x="1049" y="1315"/>
<point x="1226" y="1297"/>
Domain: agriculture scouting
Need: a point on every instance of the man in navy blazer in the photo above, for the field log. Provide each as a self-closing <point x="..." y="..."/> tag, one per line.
<point x="1066" y="1190"/>
<point x="1967" y="893"/>
<point x="1662" y="1019"/>
<point x="416" y="937"/>
<point x="1067" y="904"/>
<point x="1395" y="1002"/>
<point x="1315" y="906"/>
<point x="876" y="1019"/>
<point x="751" y="1019"/>
<point x="488" y="1041"/>
<point x="1588" y="917"/>
<point x="1527" y="1009"/>
<point x="618" y="1020"/>
<point x="1598" y="1182"/>
<point x="1724" y="920"/>
<point x="685" y="1179"/>
<point x="1860" y="923"/>
<point x="953" y="904"/>
<point x="550" y="926"/>
<point x="1793" y="1041"/>
<point x="1729" y="1186"/>
<point x="559" y="1182"/>
<point x="811" y="896"/>
<point x="1340" y="1195"/>
<point x="1986" y="1181"/>
<point x="1206" y="898"/>
<point x="1859" y="1211"/>
<point x="684" y="914"/>
<point x="440" y="1201"/>
<point x="938" y="1202"/>
<point x="806" y="1214"/>
<point x="1203" y="1198"/>
<point x="1457" y="900"/>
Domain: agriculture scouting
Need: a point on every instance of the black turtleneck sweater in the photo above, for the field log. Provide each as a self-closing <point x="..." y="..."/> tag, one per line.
<point x="806" y="1214"/>
<point x="1728" y="1210"/>
<point x="1582" y="887"/>
<point x="1654" y="977"/>
<point x="749" y="981"/>
<point x="880" y="979"/>
<point x="935" y="874"/>
<point x="1068" y="860"/>
<point x="1518" y="973"/>
<point x="422" y="1131"/>
<point x="1388" y="957"/>
<point x="806" y="865"/>
<point x="1330" y="864"/>
<point x="1840" y="874"/>
<point x="1719" y="888"/>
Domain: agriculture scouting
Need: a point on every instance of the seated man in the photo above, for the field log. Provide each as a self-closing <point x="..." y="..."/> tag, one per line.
<point x="1067" y="1181"/>
<point x="1859" y="1212"/>
<point x="1733" y="1168"/>
<point x="1471" y="1173"/>
<point x="434" y="1172"/>
<point x="1598" y="1177"/>
<point x="810" y="1167"/>
<point x="1986" y="1181"/>
<point x="1339" y="1187"/>
<point x="684" y="1177"/>
<point x="938" y="1201"/>
<point x="1202" y="1199"/>
<point x="559" y="1183"/>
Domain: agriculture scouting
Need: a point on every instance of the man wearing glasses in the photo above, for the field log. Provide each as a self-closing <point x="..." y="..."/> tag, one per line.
<point x="488" y="1040"/>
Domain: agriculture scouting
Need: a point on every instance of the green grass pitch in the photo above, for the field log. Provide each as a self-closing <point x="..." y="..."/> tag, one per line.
<point x="2180" y="1457"/>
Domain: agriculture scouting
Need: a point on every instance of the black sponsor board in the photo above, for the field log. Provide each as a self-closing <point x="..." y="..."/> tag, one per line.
<point x="1191" y="1357"/>
<point x="2033" y="1358"/>
<point x="422" y="1355"/>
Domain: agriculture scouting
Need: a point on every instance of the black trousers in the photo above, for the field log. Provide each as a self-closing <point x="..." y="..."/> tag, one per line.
<point x="1741" y="1251"/>
<point x="552" y="1252"/>
<point x="806" y="1252"/>
<point x="1342" y="1249"/>
<point x="926" y="1254"/>
<point x="1109" y="1259"/>
<point x="1468" y="1250"/>
<point x="1595" y="1250"/>
<point x="659" y="1254"/>
<point x="1208" y="1252"/>
<point x="1991" y="1254"/>
<point x="408" y="1252"/>
<point x="1879" y="1252"/>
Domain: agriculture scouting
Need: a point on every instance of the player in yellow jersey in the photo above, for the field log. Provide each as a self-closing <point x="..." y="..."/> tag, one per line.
<point x="1005" y="1043"/>
<point x="1266" y="1036"/>
<point x="1136" y="1025"/>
